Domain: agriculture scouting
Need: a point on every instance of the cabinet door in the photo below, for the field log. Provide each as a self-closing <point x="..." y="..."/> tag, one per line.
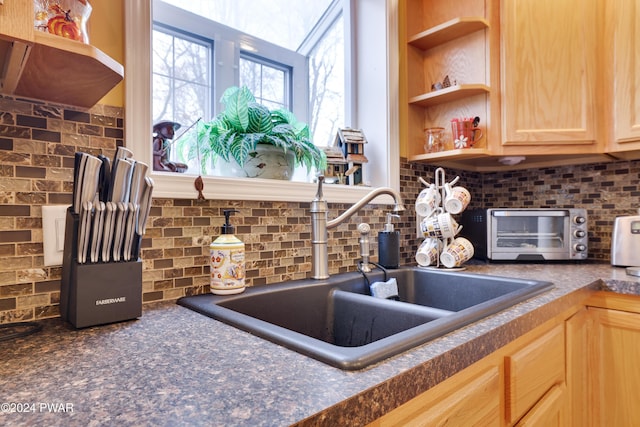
<point x="577" y="337"/>
<point x="532" y="371"/>
<point x="548" y="75"/>
<point x="616" y="336"/>
<point x="459" y="401"/>
<point x="624" y="22"/>
<point x="549" y="411"/>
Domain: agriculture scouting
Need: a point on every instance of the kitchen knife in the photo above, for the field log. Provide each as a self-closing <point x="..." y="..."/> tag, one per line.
<point x="137" y="178"/>
<point x="143" y="215"/>
<point x="122" y="153"/>
<point x="97" y="231"/>
<point x="121" y="180"/>
<point x="118" y="236"/>
<point x="90" y="179"/>
<point x="77" y="161"/>
<point x="84" y="227"/>
<point x="109" y="222"/>
<point x="129" y="235"/>
<point x="105" y="178"/>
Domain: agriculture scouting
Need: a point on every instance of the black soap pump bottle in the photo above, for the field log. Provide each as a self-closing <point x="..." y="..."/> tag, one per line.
<point x="389" y="245"/>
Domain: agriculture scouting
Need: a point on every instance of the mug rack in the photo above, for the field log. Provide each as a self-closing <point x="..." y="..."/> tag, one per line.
<point x="441" y="184"/>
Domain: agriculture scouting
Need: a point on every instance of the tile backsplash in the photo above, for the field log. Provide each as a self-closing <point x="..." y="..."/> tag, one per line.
<point x="37" y="145"/>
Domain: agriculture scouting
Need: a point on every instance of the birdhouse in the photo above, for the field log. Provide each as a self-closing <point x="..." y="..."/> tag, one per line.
<point x="350" y="143"/>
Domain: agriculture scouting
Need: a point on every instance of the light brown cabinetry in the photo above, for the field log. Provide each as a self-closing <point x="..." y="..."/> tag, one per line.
<point x="532" y="371"/>
<point x="455" y="40"/>
<point x="621" y="57"/>
<point x="614" y="362"/>
<point x="549" y="54"/>
<point x="471" y="398"/>
<point x="539" y="63"/>
<point x="521" y="384"/>
<point x="37" y="65"/>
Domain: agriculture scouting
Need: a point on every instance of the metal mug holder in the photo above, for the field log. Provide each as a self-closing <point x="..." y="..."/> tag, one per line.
<point x="440" y="183"/>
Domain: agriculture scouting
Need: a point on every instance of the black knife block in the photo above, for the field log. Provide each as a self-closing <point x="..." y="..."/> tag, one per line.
<point x="97" y="294"/>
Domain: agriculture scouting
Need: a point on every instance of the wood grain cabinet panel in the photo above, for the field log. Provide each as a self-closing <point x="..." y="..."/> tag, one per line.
<point x="549" y="73"/>
<point x="463" y="401"/>
<point x="532" y="371"/>
<point x="615" y="351"/>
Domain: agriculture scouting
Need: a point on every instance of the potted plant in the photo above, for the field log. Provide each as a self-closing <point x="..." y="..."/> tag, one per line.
<point x="251" y="139"/>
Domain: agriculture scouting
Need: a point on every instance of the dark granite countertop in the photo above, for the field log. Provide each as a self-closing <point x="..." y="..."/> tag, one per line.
<point x="176" y="367"/>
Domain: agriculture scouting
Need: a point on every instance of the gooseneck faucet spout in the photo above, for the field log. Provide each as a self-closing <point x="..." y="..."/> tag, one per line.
<point x="320" y="224"/>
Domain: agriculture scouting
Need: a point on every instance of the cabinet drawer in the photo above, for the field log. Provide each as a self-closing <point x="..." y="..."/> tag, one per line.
<point x="533" y="370"/>
<point x="459" y="401"/>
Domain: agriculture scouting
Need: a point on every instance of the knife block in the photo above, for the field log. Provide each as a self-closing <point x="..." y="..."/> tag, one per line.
<point x="97" y="294"/>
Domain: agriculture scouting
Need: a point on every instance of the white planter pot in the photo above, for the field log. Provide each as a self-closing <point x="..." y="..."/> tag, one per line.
<point x="267" y="161"/>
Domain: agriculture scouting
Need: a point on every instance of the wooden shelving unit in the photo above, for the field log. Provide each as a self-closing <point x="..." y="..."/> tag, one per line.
<point x="452" y="93"/>
<point x="448" y="31"/>
<point x="43" y="66"/>
<point x="451" y="39"/>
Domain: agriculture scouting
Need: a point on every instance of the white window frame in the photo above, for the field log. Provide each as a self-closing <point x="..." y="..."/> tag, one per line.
<point x="376" y="112"/>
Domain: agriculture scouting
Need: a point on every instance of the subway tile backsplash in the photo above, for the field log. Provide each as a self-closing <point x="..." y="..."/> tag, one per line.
<point x="37" y="144"/>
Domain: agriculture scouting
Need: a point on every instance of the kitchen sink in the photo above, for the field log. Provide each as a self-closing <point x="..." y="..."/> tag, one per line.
<point x="338" y="322"/>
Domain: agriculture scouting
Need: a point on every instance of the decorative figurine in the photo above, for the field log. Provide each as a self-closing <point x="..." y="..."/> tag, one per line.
<point x="163" y="132"/>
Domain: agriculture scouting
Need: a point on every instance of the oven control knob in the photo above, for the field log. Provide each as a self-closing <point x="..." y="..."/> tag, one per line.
<point x="579" y="234"/>
<point x="580" y="247"/>
<point x="579" y="220"/>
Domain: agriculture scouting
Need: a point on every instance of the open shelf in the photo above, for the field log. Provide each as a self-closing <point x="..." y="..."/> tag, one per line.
<point x="56" y="69"/>
<point x="452" y="93"/>
<point x="448" y="31"/>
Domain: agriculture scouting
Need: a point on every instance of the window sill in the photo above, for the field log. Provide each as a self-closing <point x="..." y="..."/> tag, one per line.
<point x="181" y="186"/>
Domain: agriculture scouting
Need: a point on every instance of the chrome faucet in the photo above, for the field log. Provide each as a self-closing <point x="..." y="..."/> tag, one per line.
<point x="320" y="224"/>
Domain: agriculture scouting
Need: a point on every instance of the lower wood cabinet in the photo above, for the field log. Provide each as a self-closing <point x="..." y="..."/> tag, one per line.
<point x="470" y="398"/>
<point x="579" y="369"/>
<point x="520" y="384"/>
<point x="615" y="360"/>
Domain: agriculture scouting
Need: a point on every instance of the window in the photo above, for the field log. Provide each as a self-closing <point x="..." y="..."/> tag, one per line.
<point x="368" y="103"/>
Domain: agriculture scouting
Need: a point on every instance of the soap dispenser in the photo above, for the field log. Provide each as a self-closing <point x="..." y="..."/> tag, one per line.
<point x="227" y="260"/>
<point x="389" y="245"/>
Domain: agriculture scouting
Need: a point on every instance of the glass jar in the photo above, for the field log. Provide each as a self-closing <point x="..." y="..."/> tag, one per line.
<point x="434" y="139"/>
<point x="65" y="18"/>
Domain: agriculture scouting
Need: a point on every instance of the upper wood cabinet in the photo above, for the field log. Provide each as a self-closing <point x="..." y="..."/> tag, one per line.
<point x="37" y="65"/>
<point x="455" y="41"/>
<point x="538" y="63"/>
<point x="549" y="55"/>
<point x="621" y="57"/>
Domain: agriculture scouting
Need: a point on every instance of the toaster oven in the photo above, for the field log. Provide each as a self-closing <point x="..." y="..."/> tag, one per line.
<point x="527" y="234"/>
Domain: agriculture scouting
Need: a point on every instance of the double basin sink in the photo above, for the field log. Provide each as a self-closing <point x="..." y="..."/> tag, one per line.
<point x="338" y="322"/>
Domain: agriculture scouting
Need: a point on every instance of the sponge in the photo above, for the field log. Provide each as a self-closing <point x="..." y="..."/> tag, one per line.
<point x="387" y="290"/>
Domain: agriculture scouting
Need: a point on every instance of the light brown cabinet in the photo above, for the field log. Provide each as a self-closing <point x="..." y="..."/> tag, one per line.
<point x="471" y="398"/>
<point x="37" y="65"/>
<point x="554" y="83"/>
<point x="548" y="60"/>
<point x="532" y="371"/>
<point x="456" y="41"/>
<point x="622" y="72"/>
<point x="615" y="345"/>
<point x="521" y="384"/>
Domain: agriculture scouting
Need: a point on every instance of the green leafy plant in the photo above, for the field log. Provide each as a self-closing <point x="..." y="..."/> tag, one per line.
<point x="244" y="123"/>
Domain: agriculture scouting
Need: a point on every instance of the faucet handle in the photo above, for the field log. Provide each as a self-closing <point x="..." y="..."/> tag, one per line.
<point x="319" y="195"/>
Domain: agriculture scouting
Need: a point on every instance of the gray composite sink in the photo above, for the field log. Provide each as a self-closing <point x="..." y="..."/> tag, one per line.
<point x="337" y="322"/>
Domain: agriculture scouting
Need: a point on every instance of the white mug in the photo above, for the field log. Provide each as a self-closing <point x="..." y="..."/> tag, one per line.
<point x="457" y="199"/>
<point x="428" y="252"/>
<point x="441" y="226"/>
<point x="428" y="201"/>
<point x="456" y="253"/>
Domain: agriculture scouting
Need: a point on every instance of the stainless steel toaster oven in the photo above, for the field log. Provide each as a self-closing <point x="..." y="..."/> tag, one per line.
<point x="527" y="234"/>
